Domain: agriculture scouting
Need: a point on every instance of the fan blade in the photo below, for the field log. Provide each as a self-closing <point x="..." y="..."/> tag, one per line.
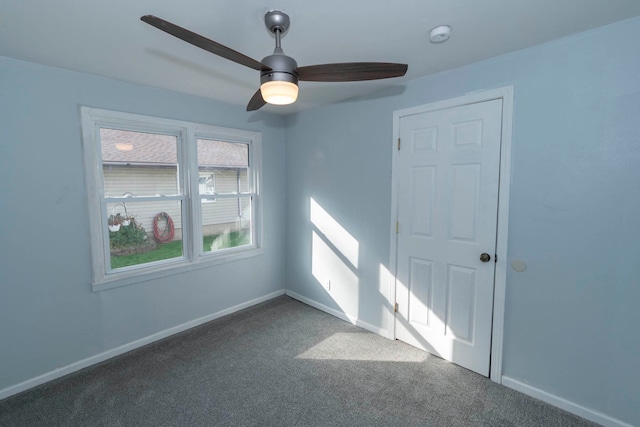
<point x="351" y="71"/>
<point x="256" y="101"/>
<point x="203" y="42"/>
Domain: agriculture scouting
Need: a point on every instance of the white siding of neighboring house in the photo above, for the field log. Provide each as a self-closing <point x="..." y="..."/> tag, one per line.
<point x="221" y="214"/>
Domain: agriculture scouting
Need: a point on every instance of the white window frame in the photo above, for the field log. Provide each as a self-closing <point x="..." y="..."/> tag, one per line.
<point x="187" y="133"/>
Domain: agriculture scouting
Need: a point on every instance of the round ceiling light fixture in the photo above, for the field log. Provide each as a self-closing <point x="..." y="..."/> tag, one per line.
<point x="440" y="34"/>
<point x="279" y="83"/>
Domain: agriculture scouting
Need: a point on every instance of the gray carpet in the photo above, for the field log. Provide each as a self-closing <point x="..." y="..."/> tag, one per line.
<point x="281" y="363"/>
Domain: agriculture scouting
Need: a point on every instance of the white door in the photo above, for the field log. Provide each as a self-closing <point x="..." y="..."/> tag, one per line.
<point x="448" y="172"/>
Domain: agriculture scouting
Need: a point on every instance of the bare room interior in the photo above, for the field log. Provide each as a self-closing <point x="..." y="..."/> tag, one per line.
<point x="294" y="213"/>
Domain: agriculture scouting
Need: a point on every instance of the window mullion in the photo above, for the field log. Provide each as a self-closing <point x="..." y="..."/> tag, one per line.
<point x="254" y="185"/>
<point x="183" y="189"/>
<point x="105" y="236"/>
<point x="195" y="228"/>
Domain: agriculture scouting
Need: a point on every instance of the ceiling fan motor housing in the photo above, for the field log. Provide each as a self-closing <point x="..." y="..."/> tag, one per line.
<point x="276" y="20"/>
<point x="283" y="68"/>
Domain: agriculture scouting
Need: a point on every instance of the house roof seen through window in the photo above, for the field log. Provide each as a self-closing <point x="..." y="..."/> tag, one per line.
<point x="150" y="149"/>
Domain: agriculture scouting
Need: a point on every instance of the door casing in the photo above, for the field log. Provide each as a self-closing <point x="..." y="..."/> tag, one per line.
<point x="506" y="94"/>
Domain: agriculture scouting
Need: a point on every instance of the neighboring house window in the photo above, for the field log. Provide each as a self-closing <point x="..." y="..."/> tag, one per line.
<point x="151" y="184"/>
<point x="207" y="185"/>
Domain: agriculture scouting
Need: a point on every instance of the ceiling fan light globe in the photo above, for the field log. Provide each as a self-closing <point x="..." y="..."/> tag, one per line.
<point x="279" y="92"/>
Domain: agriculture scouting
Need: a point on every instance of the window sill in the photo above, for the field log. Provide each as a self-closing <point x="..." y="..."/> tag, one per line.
<point x="170" y="269"/>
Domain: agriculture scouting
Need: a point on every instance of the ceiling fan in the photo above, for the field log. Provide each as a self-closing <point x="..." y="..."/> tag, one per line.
<point x="279" y="73"/>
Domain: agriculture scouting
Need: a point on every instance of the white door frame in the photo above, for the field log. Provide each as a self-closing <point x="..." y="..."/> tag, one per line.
<point x="506" y="94"/>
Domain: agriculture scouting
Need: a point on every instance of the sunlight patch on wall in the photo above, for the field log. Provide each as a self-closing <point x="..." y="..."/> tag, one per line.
<point x="334" y="232"/>
<point x="331" y="271"/>
<point x="334" y="260"/>
<point x="385" y="282"/>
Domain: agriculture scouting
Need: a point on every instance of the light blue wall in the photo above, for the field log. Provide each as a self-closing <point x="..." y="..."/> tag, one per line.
<point x="572" y="318"/>
<point x="342" y="160"/>
<point x="49" y="317"/>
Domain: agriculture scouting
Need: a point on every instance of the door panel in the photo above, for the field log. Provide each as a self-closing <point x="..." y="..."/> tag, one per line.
<point x="461" y="286"/>
<point x="423" y="191"/>
<point x="420" y="292"/>
<point x="448" y="172"/>
<point x="464" y="201"/>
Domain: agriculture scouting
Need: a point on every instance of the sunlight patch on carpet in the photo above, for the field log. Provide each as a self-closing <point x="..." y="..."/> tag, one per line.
<point x="363" y="347"/>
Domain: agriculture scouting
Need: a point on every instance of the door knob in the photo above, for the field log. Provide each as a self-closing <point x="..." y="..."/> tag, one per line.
<point x="485" y="257"/>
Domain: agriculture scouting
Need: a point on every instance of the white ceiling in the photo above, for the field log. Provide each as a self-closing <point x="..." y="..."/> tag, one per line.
<point x="107" y="38"/>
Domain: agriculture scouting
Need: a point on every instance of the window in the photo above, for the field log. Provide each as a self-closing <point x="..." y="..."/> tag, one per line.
<point x="207" y="185"/>
<point x="166" y="195"/>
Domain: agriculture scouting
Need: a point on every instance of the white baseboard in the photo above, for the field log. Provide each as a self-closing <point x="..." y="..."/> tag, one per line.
<point x="339" y="314"/>
<point x="574" y="408"/>
<point x="81" y="364"/>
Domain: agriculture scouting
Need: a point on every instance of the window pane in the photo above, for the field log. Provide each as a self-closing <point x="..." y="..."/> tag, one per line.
<point x="226" y="223"/>
<point x="228" y="161"/>
<point x="138" y="163"/>
<point x="136" y="237"/>
<point x="244" y="181"/>
<point x="206" y="182"/>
